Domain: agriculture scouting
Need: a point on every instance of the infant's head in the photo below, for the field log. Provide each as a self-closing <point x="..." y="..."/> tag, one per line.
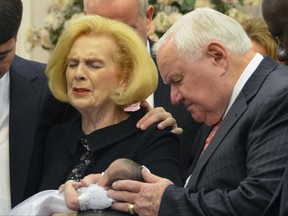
<point x="121" y="169"/>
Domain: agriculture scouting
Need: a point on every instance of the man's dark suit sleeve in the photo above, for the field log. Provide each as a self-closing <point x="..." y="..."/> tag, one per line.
<point x="279" y="204"/>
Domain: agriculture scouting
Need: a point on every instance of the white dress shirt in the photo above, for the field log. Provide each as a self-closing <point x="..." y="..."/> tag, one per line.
<point x="5" y="194"/>
<point x="251" y="67"/>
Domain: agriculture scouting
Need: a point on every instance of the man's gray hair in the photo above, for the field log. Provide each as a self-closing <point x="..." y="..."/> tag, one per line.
<point x="143" y="5"/>
<point x="194" y="30"/>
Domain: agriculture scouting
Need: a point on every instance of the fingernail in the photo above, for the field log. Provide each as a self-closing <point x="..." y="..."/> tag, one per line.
<point x="160" y="126"/>
<point x="145" y="168"/>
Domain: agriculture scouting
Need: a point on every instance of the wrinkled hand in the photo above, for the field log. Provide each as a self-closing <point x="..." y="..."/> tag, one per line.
<point x="146" y="196"/>
<point x="155" y="115"/>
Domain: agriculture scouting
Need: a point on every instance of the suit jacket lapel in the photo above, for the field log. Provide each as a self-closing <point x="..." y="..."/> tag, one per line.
<point x="24" y="105"/>
<point x="233" y="115"/>
<point x="202" y="134"/>
<point x="236" y="111"/>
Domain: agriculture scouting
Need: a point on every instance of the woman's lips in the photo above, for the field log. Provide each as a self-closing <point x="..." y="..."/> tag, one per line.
<point x="80" y="91"/>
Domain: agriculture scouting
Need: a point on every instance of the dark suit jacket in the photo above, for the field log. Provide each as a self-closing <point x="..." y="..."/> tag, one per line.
<point x="279" y="204"/>
<point x="33" y="111"/>
<point x="187" y="148"/>
<point x="244" y="162"/>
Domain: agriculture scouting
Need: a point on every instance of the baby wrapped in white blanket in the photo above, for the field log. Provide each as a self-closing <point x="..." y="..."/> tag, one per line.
<point x="88" y="194"/>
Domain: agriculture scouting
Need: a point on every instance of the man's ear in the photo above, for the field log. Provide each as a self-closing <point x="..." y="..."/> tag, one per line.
<point x="149" y="17"/>
<point x="217" y="51"/>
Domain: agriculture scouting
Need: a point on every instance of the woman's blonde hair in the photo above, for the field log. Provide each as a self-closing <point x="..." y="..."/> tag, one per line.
<point x="257" y="30"/>
<point x="135" y="64"/>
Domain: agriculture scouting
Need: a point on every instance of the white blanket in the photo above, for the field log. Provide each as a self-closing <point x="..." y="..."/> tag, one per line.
<point x="52" y="201"/>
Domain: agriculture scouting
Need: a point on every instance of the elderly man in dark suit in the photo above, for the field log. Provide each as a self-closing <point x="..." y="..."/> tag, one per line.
<point x="207" y="59"/>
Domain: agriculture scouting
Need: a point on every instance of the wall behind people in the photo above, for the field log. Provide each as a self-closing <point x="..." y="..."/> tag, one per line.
<point x="34" y="12"/>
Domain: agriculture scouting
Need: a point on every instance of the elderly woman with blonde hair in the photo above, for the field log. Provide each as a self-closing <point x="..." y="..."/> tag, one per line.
<point x="101" y="66"/>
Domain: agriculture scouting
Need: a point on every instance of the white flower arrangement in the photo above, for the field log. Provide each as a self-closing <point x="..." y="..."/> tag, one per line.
<point x="167" y="12"/>
<point x="60" y="13"/>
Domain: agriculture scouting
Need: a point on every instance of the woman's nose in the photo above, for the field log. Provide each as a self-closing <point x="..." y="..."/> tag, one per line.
<point x="80" y="73"/>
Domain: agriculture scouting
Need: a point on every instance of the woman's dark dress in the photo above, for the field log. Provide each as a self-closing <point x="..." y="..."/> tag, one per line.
<point x="153" y="148"/>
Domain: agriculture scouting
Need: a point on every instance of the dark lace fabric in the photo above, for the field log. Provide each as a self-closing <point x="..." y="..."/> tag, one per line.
<point x="79" y="170"/>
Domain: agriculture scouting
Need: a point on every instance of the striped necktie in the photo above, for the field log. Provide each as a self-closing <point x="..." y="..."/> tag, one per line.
<point x="210" y="137"/>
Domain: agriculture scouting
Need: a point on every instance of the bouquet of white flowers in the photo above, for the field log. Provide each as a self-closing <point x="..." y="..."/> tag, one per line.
<point x="167" y="12"/>
<point x="60" y="13"/>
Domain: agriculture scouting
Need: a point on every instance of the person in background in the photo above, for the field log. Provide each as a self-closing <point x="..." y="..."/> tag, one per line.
<point x="100" y="66"/>
<point x="89" y="193"/>
<point x="138" y="14"/>
<point x="244" y="107"/>
<point x="262" y="40"/>
<point x="277" y="21"/>
<point x="27" y="112"/>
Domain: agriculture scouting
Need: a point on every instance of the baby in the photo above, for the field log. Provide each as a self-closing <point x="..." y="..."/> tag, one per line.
<point x="90" y="193"/>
